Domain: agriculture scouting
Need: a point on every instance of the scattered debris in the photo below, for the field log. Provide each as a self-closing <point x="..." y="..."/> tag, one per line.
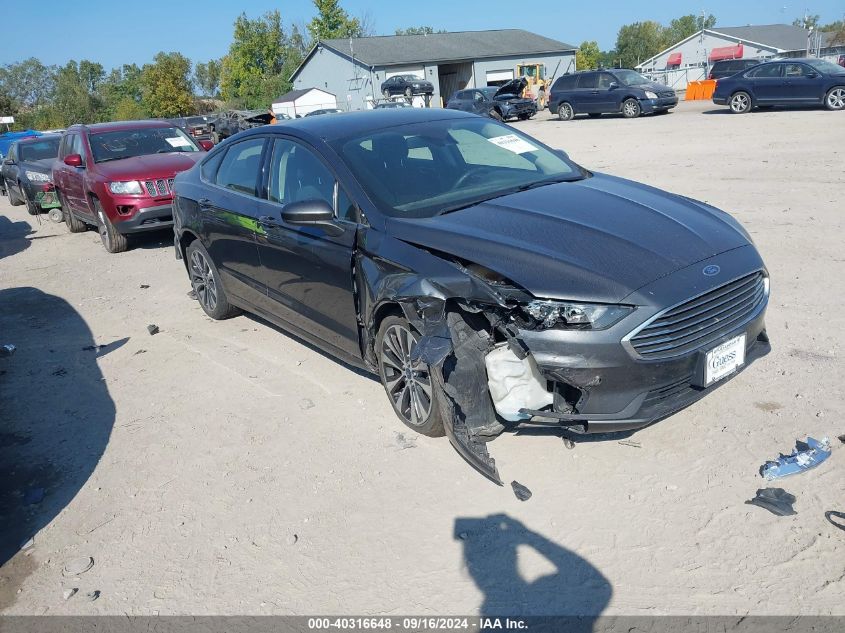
<point x="522" y="492"/>
<point x="144" y="286"/>
<point x="140" y="351"/>
<point x="633" y="443"/>
<point x="292" y="539"/>
<point x="7" y="350"/>
<point x="568" y="442"/>
<point x="776" y="500"/>
<point x="152" y="328"/>
<point x="92" y="595"/>
<point x="839" y="515"/>
<point x="805" y="456"/>
<point x="192" y="295"/>
<point x="29" y="543"/>
<point x="33" y="496"/>
<point x="78" y="566"/>
<point x="405" y="442"/>
<point x="69" y="593"/>
<point x="61" y="371"/>
<point x="841" y="438"/>
<point x="306" y="403"/>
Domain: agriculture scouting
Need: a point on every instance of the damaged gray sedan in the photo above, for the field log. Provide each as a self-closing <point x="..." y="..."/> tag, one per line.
<point x="489" y="280"/>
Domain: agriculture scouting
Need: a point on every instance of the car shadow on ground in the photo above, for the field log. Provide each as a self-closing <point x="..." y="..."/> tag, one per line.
<point x="13" y="237"/>
<point x="492" y="547"/>
<point x="56" y="418"/>
<point x="759" y="109"/>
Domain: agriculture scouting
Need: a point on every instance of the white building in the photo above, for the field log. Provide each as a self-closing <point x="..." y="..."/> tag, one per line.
<point x="301" y="102"/>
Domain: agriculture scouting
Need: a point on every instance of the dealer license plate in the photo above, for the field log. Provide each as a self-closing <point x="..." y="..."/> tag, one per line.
<point x="724" y="360"/>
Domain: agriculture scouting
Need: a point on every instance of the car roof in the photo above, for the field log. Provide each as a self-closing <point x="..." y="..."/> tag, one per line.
<point x="345" y="124"/>
<point x="35" y="139"/>
<point x="116" y="126"/>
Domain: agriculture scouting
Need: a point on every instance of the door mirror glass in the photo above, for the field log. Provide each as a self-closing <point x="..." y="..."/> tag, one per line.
<point x="9" y="161"/>
<point x="612" y="85"/>
<point x="314" y="212"/>
<point x="73" y="160"/>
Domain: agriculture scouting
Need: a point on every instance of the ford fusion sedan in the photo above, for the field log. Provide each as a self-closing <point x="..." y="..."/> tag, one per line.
<point x="27" y="172"/>
<point x="793" y="82"/>
<point x="598" y="92"/>
<point x="489" y="281"/>
<point x="117" y="177"/>
<point x="408" y="85"/>
<point x="501" y="103"/>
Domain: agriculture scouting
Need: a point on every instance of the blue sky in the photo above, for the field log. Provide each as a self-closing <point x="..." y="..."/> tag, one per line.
<point x="114" y="33"/>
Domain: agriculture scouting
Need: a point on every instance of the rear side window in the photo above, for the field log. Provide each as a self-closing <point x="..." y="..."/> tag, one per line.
<point x="208" y="170"/>
<point x="589" y="81"/>
<point x="567" y="82"/>
<point x="239" y="168"/>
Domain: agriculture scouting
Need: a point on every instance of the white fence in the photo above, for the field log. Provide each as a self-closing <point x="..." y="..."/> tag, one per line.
<point x="677" y="79"/>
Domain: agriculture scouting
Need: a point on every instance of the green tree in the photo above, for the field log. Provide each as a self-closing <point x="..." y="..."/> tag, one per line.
<point x="686" y="25"/>
<point x="166" y="86"/>
<point x="73" y="102"/>
<point x="128" y="109"/>
<point x="333" y="22"/>
<point x="637" y="42"/>
<point x="28" y="83"/>
<point x="588" y="55"/>
<point x="837" y="32"/>
<point x="418" y="30"/>
<point x="207" y="77"/>
<point x="91" y="74"/>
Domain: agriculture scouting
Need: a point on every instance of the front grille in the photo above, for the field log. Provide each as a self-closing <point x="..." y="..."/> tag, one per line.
<point x="670" y="93"/>
<point x="701" y="320"/>
<point x="158" y="187"/>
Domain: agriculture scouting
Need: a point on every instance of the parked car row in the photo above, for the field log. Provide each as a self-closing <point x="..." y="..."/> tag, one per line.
<point x="27" y="173"/>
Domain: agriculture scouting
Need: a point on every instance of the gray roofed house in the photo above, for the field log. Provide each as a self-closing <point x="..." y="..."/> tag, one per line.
<point x="354" y="69"/>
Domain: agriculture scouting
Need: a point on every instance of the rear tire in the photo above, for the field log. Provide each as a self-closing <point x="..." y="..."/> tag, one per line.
<point x="835" y="98"/>
<point x="13" y="197"/>
<point x="113" y="241"/>
<point x="565" y="112"/>
<point x="740" y="102"/>
<point x="495" y="114"/>
<point x="409" y="92"/>
<point x="631" y="109"/>
<point x="412" y="393"/>
<point x="205" y="281"/>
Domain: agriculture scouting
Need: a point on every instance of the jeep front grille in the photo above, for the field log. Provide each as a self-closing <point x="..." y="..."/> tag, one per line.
<point x="702" y="320"/>
<point x="159" y="187"/>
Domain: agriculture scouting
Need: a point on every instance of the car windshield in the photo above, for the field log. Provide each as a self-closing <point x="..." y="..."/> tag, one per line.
<point x="490" y="92"/>
<point x="120" y="144"/>
<point x="822" y="65"/>
<point x="426" y="169"/>
<point x="630" y="78"/>
<point x="410" y="78"/>
<point x="39" y="150"/>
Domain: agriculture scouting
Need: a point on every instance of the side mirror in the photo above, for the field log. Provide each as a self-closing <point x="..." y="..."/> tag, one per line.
<point x="613" y="85"/>
<point x="317" y="213"/>
<point x="73" y="160"/>
<point x="206" y="144"/>
<point x="562" y="154"/>
<point x="9" y="161"/>
<point x="812" y="75"/>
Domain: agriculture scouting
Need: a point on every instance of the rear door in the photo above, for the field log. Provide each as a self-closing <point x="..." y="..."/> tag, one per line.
<point x="585" y="96"/>
<point x="308" y="273"/>
<point x="230" y="217"/>
<point x="803" y="84"/>
<point x="769" y="84"/>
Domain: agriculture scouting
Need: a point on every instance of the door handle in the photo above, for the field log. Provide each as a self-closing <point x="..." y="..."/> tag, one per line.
<point x="269" y="220"/>
<point x="204" y="203"/>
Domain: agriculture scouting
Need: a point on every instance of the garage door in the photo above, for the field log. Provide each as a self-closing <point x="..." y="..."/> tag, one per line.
<point x="498" y="77"/>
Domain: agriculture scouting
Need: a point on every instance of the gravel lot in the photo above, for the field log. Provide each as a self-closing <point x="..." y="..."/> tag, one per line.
<point x="227" y="468"/>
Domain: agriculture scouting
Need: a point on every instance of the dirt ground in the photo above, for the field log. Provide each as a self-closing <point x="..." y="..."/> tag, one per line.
<point x="227" y="468"/>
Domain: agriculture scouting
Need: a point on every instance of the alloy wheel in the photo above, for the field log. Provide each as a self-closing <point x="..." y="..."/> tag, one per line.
<point x="632" y="109"/>
<point x="739" y="102"/>
<point x="408" y="383"/>
<point x="836" y="99"/>
<point x="202" y="280"/>
<point x="564" y="111"/>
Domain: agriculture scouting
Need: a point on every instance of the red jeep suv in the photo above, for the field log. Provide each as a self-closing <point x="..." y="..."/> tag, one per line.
<point x="118" y="176"/>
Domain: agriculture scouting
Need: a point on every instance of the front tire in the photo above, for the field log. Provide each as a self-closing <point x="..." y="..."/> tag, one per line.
<point x="565" y="112"/>
<point x="409" y="92"/>
<point x="385" y="93"/>
<point x="740" y="102"/>
<point x="414" y="396"/>
<point x="495" y="114"/>
<point x="74" y="224"/>
<point x="835" y="98"/>
<point x="631" y="109"/>
<point x="205" y="280"/>
<point x="31" y="207"/>
<point x="13" y="197"/>
<point x="113" y="241"/>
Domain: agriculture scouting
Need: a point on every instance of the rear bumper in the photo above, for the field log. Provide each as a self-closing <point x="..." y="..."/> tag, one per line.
<point x="720" y="100"/>
<point x="144" y="219"/>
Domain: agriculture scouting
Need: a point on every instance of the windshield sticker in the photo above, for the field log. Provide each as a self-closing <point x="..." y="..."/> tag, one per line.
<point x="513" y="143"/>
<point x="178" y="141"/>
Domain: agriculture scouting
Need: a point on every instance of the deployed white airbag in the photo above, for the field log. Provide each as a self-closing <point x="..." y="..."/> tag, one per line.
<point x="515" y="383"/>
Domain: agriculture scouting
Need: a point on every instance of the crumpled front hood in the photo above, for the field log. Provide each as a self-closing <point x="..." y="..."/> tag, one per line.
<point x="148" y="167"/>
<point x="514" y="87"/>
<point x="598" y="239"/>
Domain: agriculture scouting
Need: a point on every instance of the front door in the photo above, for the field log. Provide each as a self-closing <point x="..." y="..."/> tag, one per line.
<point x="230" y="218"/>
<point x="308" y="273"/>
<point x="73" y="178"/>
<point x="803" y="84"/>
<point x="769" y="84"/>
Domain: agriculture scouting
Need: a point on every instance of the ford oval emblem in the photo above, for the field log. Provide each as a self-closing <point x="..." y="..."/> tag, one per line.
<point x="711" y="270"/>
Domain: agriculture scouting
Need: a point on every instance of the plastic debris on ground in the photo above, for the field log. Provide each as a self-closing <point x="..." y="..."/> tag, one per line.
<point x="776" y="500"/>
<point x="831" y="514"/>
<point x="633" y="443"/>
<point x="806" y="455"/>
<point x="69" y="593"/>
<point x="522" y="492"/>
<point x="78" y="566"/>
<point x="152" y="328"/>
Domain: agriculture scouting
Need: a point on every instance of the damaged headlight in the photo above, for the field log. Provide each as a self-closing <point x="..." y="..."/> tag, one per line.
<point x="594" y="316"/>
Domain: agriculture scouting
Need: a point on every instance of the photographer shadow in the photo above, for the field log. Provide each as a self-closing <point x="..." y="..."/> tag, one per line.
<point x="575" y="589"/>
